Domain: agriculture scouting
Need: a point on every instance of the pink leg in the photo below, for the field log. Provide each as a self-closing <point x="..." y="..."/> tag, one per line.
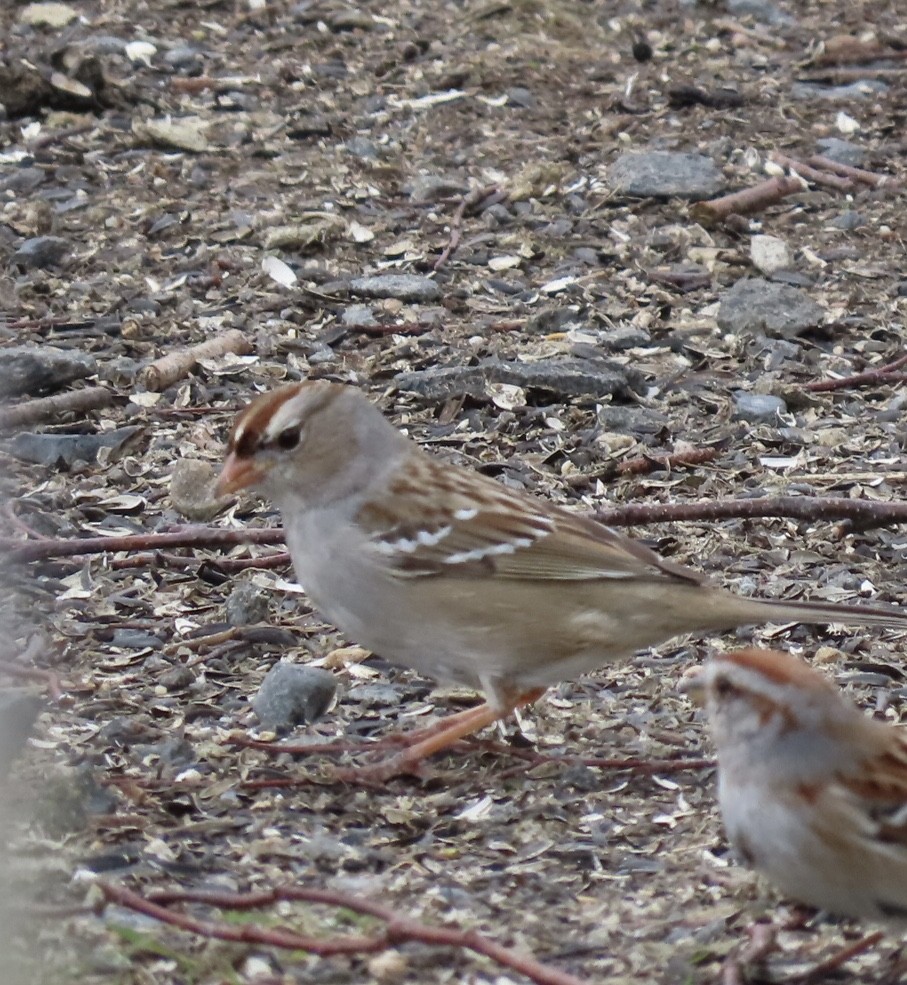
<point x="451" y="730"/>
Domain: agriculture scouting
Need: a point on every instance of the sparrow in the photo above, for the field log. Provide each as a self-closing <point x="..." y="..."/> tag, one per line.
<point x="445" y="571"/>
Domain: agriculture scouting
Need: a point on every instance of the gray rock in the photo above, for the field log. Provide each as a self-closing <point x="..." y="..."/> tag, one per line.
<point x="53" y="449"/>
<point x="192" y="490"/>
<point x="520" y="97"/>
<point x="292" y="694"/>
<point x="757" y="408"/>
<point x="246" y="604"/>
<point x="860" y="90"/>
<point x="41" y="252"/>
<point x="358" y="316"/>
<point x="842" y="151"/>
<point x="434" y="188"/>
<point x="26" y="371"/>
<point x="665" y="174"/>
<point x="760" y="10"/>
<point x="631" y="420"/>
<point x="135" y="639"/>
<point x="362" y="148"/>
<point x="19" y="708"/>
<point x="758" y="305"/>
<point x="565" y="377"/>
<point x="848" y="220"/>
<point x="403" y="287"/>
<point x="183" y="56"/>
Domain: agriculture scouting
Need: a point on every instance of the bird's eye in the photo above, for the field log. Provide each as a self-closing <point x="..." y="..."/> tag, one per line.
<point x="288" y="439"/>
<point x="725" y="689"/>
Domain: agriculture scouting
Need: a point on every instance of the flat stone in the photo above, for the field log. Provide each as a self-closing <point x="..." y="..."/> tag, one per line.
<point x="402" y="287"/>
<point x="247" y="603"/>
<point x="757" y="408"/>
<point x="54" y="449"/>
<point x="293" y="694"/>
<point x="760" y="306"/>
<point x="41" y="252"/>
<point x="860" y="90"/>
<point x="760" y="10"/>
<point x="565" y="377"/>
<point x="842" y="151"/>
<point x="769" y="254"/>
<point x="26" y="371"/>
<point x="666" y="174"/>
<point x="192" y="490"/>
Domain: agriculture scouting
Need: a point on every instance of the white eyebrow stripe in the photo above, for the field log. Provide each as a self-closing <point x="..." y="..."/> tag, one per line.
<point x="489" y="550"/>
<point x="466" y="513"/>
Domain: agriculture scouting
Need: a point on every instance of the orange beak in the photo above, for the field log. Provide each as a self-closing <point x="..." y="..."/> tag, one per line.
<point x="237" y="473"/>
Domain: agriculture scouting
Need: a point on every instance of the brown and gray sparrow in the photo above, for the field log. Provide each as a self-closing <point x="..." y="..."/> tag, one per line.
<point x="450" y="573"/>
<point x="813" y="792"/>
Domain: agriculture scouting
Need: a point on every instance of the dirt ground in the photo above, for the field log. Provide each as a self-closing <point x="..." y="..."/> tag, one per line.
<point x="180" y="145"/>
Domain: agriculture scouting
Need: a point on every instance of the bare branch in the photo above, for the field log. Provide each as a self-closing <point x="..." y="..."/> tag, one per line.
<point x="47" y="408"/>
<point x="398" y="929"/>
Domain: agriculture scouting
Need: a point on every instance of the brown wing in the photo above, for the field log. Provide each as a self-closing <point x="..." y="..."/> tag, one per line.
<point x="487" y="529"/>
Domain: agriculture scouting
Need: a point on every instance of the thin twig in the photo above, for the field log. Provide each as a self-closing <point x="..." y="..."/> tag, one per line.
<point x="175" y="365"/>
<point x="814" y="175"/>
<point x="18" y="550"/>
<point x="847" y="171"/>
<point x="748" y="200"/>
<point x="47" y="408"/>
<point x="398" y="929"/>
<point x="880" y="375"/>
<point x="821" y="971"/>
<point x="48" y="678"/>
<point x="646" y="464"/>
<point x="456" y="223"/>
<point x="863" y="512"/>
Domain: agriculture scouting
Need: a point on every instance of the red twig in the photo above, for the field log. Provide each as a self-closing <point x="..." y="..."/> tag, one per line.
<point x="881" y="375"/>
<point x="45" y="408"/>
<point x="47" y="677"/>
<point x="821" y="971"/>
<point x="456" y="223"/>
<point x="17" y="550"/>
<point x="847" y="171"/>
<point x="398" y="929"/>
<point x="862" y="512"/>
<point x="814" y="175"/>
<point x="748" y="200"/>
<point x="646" y="464"/>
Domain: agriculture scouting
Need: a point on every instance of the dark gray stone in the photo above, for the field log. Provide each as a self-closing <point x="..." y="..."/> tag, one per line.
<point x="760" y="10"/>
<point x="666" y="174"/>
<point x="358" y="316"/>
<point x="292" y="694"/>
<point x="41" y="252"/>
<point x="403" y="287"/>
<point x="26" y="371"/>
<point x="363" y="148"/>
<point x="848" y="220"/>
<point x="53" y="449"/>
<point x="565" y="377"/>
<point x="19" y="708"/>
<point x="246" y="604"/>
<point x="757" y="305"/>
<point x="434" y="188"/>
<point x="757" y="408"/>
<point x="860" y="90"/>
<point x="842" y="151"/>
